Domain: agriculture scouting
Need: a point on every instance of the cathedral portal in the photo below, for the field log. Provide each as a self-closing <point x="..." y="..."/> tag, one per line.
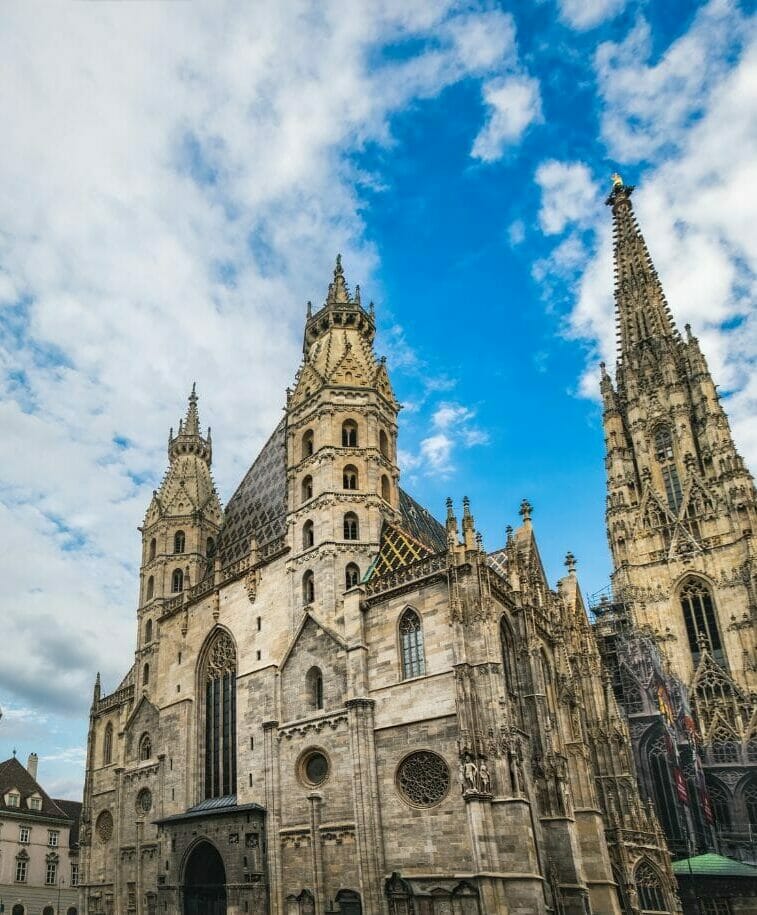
<point x="204" y="882"/>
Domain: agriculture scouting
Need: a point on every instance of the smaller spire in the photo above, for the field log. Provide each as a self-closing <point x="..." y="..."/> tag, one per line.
<point x="189" y="438"/>
<point x="469" y="527"/>
<point x="338" y="292"/>
<point x="525" y="511"/>
<point x="451" y="525"/>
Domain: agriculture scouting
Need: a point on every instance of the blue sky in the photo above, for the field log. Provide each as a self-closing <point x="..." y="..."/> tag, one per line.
<point x="177" y="182"/>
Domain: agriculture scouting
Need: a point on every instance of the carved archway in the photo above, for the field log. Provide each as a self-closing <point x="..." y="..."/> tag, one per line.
<point x="204" y="881"/>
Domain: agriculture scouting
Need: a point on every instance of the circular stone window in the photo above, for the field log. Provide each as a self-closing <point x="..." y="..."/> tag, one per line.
<point x="314" y="768"/>
<point x="104" y="826"/>
<point x="144" y="801"/>
<point x="423" y="778"/>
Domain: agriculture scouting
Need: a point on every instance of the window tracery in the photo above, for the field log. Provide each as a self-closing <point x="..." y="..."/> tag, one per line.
<point x="308" y="588"/>
<point x="725" y="746"/>
<point x="177" y="581"/>
<point x="145" y="747"/>
<point x="108" y="744"/>
<point x="179" y="542"/>
<point x="411" y="643"/>
<point x="649" y="890"/>
<point x="699" y="616"/>
<point x="351" y="576"/>
<point x="219" y="676"/>
<point x="349" y="434"/>
<point x="349" y="477"/>
<point x="351" y="526"/>
<point x="423" y="778"/>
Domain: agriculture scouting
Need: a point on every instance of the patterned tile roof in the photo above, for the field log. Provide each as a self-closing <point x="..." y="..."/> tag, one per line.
<point x="421" y="524"/>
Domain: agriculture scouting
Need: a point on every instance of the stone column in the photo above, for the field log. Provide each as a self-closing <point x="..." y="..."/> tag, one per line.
<point x="140" y="824"/>
<point x="316" y="851"/>
<point x="117" y="864"/>
<point x="272" y="792"/>
<point x="368" y="830"/>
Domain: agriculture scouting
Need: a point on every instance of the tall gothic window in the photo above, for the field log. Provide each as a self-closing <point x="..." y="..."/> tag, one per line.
<point x="349" y="434"/>
<point x="308" y="587"/>
<point x="649" y="889"/>
<point x="662" y="785"/>
<point x="750" y="804"/>
<point x="663" y="445"/>
<point x="349" y="477"/>
<point x="508" y="656"/>
<point x="351" y="576"/>
<point x="663" y="448"/>
<point x="150" y="587"/>
<point x="108" y="744"/>
<point x="145" y="675"/>
<point x="148" y="631"/>
<point x="307" y="488"/>
<point x="179" y="542"/>
<point x="153" y="548"/>
<point x="308" y="534"/>
<point x="219" y="675"/>
<point x="145" y="747"/>
<point x="725" y="747"/>
<point x="307" y="444"/>
<point x="384" y="443"/>
<point x="411" y="643"/>
<point x="721" y="807"/>
<point x="386" y="489"/>
<point x="314" y="682"/>
<point x="699" y="616"/>
<point x="177" y="581"/>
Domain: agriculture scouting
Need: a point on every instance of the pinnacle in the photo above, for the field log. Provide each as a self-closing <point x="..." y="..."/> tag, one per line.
<point x="338" y="292"/>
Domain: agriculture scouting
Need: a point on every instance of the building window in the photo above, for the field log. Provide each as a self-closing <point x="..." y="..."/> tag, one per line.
<point x="411" y="643"/>
<point x="53" y="837"/>
<point x="210" y="548"/>
<point x="145" y="675"/>
<point x="153" y="549"/>
<point x="349" y="434"/>
<point x="663" y="445"/>
<point x="349" y="477"/>
<point x="35" y="803"/>
<point x="307" y="489"/>
<point x="14" y="799"/>
<point x="74" y="875"/>
<point x="22" y="868"/>
<point x="219" y="673"/>
<point x="308" y="445"/>
<point x="18" y="909"/>
<point x="314" y="682"/>
<point x="177" y="581"/>
<point x="51" y="873"/>
<point x="662" y="784"/>
<point x="423" y="778"/>
<point x="673" y="491"/>
<point x="148" y="631"/>
<point x="715" y="906"/>
<point x="719" y="799"/>
<point x="108" y="744"/>
<point x="351" y="576"/>
<point x="150" y="587"/>
<point x="179" y="541"/>
<point x="649" y="889"/>
<point x="699" y="616"/>
<point x="308" y="588"/>
<point x="24" y="835"/>
<point x="386" y="489"/>
<point x="383" y="443"/>
<point x="725" y="747"/>
<point x="308" y="534"/>
<point x="507" y="644"/>
<point x="145" y="747"/>
<point x="751" y="749"/>
<point x="351" y="527"/>
<point x="750" y="803"/>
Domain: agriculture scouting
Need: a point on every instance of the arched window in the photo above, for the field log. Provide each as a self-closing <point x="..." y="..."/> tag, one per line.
<point x="351" y="528"/>
<point x="384" y="443"/>
<point x="145" y="747"/>
<point x="108" y="744"/>
<point x="750" y="803"/>
<point x="349" y="477"/>
<point x="308" y="587"/>
<point x="219" y="674"/>
<point x="725" y="747"/>
<point x="308" y="444"/>
<point x="649" y="889"/>
<point x="308" y="534"/>
<point x="508" y="657"/>
<point x="307" y="489"/>
<point x="179" y="541"/>
<point x="663" y="445"/>
<point x="349" y="434"/>
<point x="721" y="807"/>
<point x="663" y="449"/>
<point x="314" y="682"/>
<point x="71" y="910"/>
<point x="699" y="616"/>
<point x="210" y="548"/>
<point x="150" y="587"/>
<point x="148" y="631"/>
<point x="177" y="581"/>
<point x="662" y="787"/>
<point x="153" y="548"/>
<point x="145" y="675"/>
<point x="411" y="645"/>
<point x="386" y="490"/>
<point x="351" y="576"/>
<point x="51" y="873"/>
<point x="18" y="909"/>
<point x="349" y="902"/>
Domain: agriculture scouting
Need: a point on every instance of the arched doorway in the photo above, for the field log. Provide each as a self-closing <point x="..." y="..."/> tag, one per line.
<point x="204" y="882"/>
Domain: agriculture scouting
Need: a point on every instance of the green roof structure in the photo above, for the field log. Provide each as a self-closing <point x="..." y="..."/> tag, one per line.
<point x="712" y="865"/>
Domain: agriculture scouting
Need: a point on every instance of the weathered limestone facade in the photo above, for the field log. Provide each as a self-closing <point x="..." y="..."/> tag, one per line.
<point x="678" y="631"/>
<point x="339" y="704"/>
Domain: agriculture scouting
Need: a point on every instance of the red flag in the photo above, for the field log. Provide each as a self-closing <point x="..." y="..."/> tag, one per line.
<point x="707" y="806"/>
<point x="681" y="789"/>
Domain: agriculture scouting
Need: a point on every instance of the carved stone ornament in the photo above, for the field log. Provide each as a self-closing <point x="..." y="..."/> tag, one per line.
<point x="251" y="582"/>
<point x="222" y="658"/>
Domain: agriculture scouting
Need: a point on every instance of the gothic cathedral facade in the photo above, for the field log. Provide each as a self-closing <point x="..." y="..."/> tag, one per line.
<point x="677" y="631"/>
<point x="340" y="704"/>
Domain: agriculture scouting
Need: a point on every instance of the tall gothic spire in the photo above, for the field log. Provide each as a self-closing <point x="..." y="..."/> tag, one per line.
<point x="642" y="312"/>
<point x="190" y="440"/>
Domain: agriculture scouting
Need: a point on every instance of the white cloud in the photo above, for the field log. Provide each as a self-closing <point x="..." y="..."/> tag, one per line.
<point x="453" y="427"/>
<point x="176" y="184"/>
<point x="585" y="14"/>
<point x="694" y="117"/>
<point x="516" y="233"/>
<point x="513" y="103"/>
<point x="568" y="195"/>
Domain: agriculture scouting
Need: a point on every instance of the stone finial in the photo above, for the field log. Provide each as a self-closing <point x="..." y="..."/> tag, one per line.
<point x="570" y="563"/>
<point x="509" y="533"/>
<point x="525" y="511"/>
<point x="617" y="181"/>
<point x="310" y="309"/>
<point x="338" y="294"/>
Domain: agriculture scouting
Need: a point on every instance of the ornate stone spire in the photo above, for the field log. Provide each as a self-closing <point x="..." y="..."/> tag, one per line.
<point x="338" y="293"/>
<point x="642" y="312"/>
<point x="189" y="439"/>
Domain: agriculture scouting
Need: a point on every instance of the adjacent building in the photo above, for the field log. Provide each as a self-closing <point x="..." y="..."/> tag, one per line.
<point x="39" y="845"/>
<point x="677" y="628"/>
<point x="340" y="704"/>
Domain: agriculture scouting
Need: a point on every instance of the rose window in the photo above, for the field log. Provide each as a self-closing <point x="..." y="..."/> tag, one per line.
<point x="423" y="778"/>
<point x="144" y="801"/>
<point x="104" y="826"/>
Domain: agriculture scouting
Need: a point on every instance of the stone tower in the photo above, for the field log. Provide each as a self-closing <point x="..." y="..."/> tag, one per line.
<point x="681" y="519"/>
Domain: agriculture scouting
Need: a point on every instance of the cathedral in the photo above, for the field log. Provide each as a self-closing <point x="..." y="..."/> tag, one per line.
<point x="677" y="628"/>
<point x="339" y="704"/>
